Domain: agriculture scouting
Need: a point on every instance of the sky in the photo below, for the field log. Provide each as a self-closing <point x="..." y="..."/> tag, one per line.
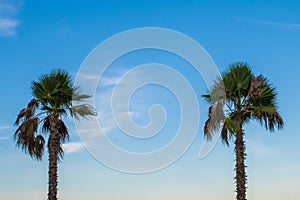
<point x="38" y="36"/>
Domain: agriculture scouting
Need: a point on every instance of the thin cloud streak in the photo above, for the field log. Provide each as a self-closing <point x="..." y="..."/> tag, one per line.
<point x="7" y="8"/>
<point x="258" y="149"/>
<point x="8" y="27"/>
<point x="272" y="24"/>
<point x="72" y="147"/>
<point x="109" y="81"/>
<point x="87" y="76"/>
<point x="4" y="138"/>
<point x="104" y="97"/>
<point x="5" y="127"/>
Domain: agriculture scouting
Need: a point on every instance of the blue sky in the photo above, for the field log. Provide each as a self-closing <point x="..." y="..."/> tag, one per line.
<point x="37" y="36"/>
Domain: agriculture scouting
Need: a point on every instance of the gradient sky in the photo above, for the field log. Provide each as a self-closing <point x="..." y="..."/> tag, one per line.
<point x="37" y="36"/>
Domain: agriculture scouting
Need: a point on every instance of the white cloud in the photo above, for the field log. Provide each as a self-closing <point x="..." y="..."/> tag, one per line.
<point x="8" y="22"/>
<point x="4" y="138"/>
<point x="104" y="98"/>
<point x="109" y="81"/>
<point x="104" y="81"/>
<point x="258" y="149"/>
<point x="72" y="147"/>
<point x="4" y="127"/>
<point x="86" y="76"/>
<point x="7" y="8"/>
<point x="87" y="127"/>
<point x="273" y="24"/>
<point x="130" y="110"/>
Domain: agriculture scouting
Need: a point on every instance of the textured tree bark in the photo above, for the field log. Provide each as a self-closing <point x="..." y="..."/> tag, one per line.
<point x="53" y="148"/>
<point x="240" y="166"/>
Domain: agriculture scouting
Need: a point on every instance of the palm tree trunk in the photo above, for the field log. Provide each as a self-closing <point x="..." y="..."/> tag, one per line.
<point x="240" y="166"/>
<point x="53" y="149"/>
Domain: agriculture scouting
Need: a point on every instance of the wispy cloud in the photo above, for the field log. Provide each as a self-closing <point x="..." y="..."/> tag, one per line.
<point x="5" y="7"/>
<point x="104" y="81"/>
<point x="4" y="127"/>
<point x="272" y="24"/>
<point x="86" y="76"/>
<point x="8" y="21"/>
<point x="258" y="149"/>
<point x="121" y="111"/>
<point x="72" y="147"/>
<point x="8" y="27"/>
<point x="109" y="81"/>
<point x="4" y="138"/>
<point x="129" y="109"/>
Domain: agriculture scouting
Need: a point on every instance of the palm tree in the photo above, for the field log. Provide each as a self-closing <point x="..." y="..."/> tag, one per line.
<point x="53" y="95"/>
<point x="237" y="97"/>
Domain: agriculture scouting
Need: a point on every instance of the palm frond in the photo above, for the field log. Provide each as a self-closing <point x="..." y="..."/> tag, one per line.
<point x="215" y="117"/>
<point x="63" y="131"/>
<point x="267" y="116"/>
<point x="229" y="128"/>
<point x="46" y="124"/>
<point x="26" y="139"/>
<point x="83" y="111"/>
<point x="26" y="129"/>
<point x="60" y="152"/>
<point x="78" y="96"/>
<point x="39" y="147"/>
<point x="224" y="134"/>
<point x="207" y="98"/>
<point x="28" y="112"/>
<point x="216" y="93"/>
<point x="261" y="104"/>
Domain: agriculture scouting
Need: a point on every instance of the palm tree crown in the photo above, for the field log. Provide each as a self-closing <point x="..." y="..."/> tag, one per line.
<point x="237" y="97"/>
<point x="53" y="95"/>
